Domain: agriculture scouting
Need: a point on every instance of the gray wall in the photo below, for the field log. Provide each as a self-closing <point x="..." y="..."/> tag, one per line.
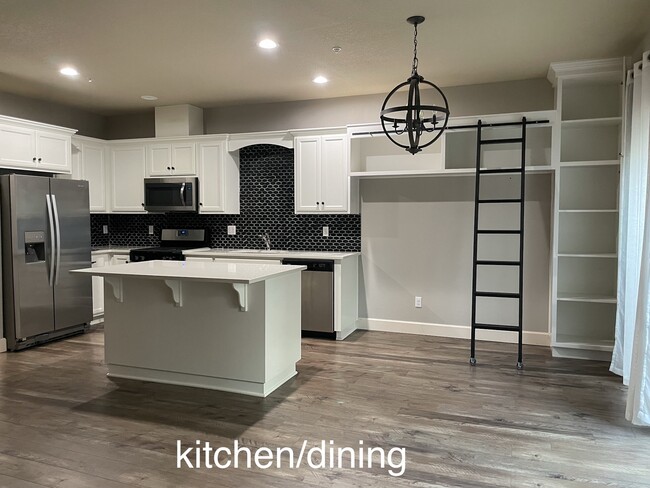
<point x="643" y="46"/>
<point x="417" y="240"/>
<point x="511" y="96"/>
<point x="86" y="123"/>
<point x="131" y="125"/>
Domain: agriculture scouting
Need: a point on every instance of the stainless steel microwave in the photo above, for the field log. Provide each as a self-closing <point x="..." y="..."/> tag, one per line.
<point x="171" y="194"/>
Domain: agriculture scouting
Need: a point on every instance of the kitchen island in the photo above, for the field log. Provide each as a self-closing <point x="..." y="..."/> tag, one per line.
<point x="218" y="325"/>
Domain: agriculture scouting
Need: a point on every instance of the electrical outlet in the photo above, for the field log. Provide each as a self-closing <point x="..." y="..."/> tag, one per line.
<point x="105" y="229"/>
<point x="326" y="231"/>
<point x="232" y="230"/>
<point x="418" y="302"/>
<point x="151" y="230"/>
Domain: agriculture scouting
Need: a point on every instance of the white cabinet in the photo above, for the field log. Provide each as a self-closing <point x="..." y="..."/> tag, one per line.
<point x="322" y="182"/>
<point x="18" y="147"/>
<point x="174" y="158"/>
<point x="53" y="151"/>
<point x="34" y="146"/>
<point x="99" y="261"/>
<point x="127" y="178"/>
<point x="89" y="162"/>
<point x="218" y="178"/>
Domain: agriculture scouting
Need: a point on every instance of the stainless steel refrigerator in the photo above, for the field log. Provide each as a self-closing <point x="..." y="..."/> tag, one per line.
<point x="45" y="234"/>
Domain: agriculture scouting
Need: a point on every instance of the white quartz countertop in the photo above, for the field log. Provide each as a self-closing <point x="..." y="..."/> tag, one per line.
<point x="217" y="271"/>
<point x="110" y="250"/>
<point x="263" y="254"/>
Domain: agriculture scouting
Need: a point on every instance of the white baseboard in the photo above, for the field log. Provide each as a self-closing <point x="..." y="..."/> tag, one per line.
<point x="455" y="331"/>
<point x="3" y="344"/>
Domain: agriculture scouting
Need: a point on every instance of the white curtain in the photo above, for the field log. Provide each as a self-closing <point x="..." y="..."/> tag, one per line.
<point x="631" y="357"/>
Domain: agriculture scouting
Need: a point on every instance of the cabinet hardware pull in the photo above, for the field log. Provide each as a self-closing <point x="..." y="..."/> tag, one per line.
<point x="142" y="204"/>
<point x="173" y="168"/>
<point x="200" y="204"/>
<point x="39" y="160"/>
<point x="168" y="167"/>
<point x="34" y="159"/>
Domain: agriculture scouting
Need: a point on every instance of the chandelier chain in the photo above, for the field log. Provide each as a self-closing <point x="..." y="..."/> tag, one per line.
<point x="415" y="50"/>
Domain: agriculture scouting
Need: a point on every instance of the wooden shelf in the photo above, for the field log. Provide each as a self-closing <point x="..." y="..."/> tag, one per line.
<point x="588" y="211"/>
<point x="583" y="297"/>
<point x="433" y="172"/>
<point x="599" y="255"/>
<point x="607" y="162"/>
<point x="603" y="121"/>
<point x="570" y="342"/>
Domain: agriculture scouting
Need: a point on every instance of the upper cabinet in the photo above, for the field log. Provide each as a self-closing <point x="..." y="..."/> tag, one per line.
<point x="171" y="158"/>
<point x="90" y="162"/>
<point x="34" y="146"/>
<point x="322" y="182"/>
<point x="218" y="178"/>
<point x="128" y="163"/>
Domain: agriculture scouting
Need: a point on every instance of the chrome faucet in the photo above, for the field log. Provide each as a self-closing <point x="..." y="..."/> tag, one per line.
<point x="266" y="240"/>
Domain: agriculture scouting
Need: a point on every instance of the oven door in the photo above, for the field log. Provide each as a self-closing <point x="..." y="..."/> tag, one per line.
<point x="170" y="194"/>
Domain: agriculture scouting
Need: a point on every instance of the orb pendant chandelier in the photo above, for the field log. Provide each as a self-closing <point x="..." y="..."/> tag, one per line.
<point x="423" y="123"/>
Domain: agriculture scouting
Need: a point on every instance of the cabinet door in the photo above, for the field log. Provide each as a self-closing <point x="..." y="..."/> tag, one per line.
<point x="53" y="151"/>
<point x="334" y="173"/>
<point x="160" y="160"/>
<point x="184" y="159"/>
<point x="17" y="147"/>
<point x="127" y="177"/>
<point x="98" y="285"/>
<point x="211" y="178"/>
<point x="93" y="169"/>
<point x="307" y="174"/>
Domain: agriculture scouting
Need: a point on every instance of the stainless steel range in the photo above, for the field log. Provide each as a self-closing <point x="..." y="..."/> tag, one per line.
<point x="172" y="244"/>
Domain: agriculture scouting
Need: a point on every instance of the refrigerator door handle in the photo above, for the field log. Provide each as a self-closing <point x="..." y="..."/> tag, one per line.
<point x="48" y="201"/>
<point x="58" y="239"/>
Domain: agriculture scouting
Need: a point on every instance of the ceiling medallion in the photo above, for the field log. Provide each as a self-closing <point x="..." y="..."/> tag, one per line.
<point x="415" y="118"/>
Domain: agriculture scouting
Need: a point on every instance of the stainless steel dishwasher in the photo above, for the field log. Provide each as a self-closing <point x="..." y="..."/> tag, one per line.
<point x="317" y="295"/>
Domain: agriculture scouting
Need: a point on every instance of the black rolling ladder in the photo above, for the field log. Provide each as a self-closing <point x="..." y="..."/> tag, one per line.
<point x="478" y="201"/>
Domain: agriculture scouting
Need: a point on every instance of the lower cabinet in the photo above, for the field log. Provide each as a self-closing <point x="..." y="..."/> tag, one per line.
<point x="98" y="285"/>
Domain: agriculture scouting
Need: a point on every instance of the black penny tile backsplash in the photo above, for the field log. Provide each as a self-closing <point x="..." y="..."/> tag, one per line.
<point x="266" y="206"/>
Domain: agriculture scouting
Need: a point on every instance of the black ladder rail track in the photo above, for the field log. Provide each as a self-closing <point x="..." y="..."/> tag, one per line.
<point x="519" y="232"/>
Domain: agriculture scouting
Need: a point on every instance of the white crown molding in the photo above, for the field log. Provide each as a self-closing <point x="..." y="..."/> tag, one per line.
<point x="35" y="125"/>
<point x="570" y="69"/>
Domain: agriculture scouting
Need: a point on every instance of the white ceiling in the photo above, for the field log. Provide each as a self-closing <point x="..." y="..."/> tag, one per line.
<point x="204" y="51"/>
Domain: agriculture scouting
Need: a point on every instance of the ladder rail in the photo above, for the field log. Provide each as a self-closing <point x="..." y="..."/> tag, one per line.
<point x="477" y="191"/>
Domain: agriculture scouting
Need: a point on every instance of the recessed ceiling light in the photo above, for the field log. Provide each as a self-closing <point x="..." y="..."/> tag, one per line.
<point x="267" y="44"/>
<point x="69" y="71"/>
<point x="150" y="98"/>
<point x="320" y="80"/>
<point x="337" y="49"/>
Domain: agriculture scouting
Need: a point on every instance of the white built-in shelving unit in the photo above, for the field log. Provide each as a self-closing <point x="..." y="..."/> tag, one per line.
<point x="586" y="152"/>
<point x="372" y="155"/>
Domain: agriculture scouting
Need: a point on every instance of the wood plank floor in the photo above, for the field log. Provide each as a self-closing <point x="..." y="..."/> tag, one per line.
<point x="559" y="423"/>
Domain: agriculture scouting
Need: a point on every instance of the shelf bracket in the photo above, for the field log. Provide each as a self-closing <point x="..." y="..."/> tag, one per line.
<point x="176" y="286"/>
<point x="242" y="291"/>
<point x="116" y="285"/>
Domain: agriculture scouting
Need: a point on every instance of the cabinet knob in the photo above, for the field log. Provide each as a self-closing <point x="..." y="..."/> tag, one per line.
<point x="200" y="204"/>
<point x="34" y="159"/>
<point x="142" y="204"/>
<point x="173" y="167"/>
<point x="39" y="160"/>
<point x="168" y="167"/>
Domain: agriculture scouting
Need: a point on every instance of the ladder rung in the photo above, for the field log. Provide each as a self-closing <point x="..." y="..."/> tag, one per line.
<point x="513" y="140"/>
<point x="496" y="294"/>
<point x="513" y="328"/>
<point x="498" y="263"/>
<point x="501" y="170"/>
<point x="500" y="200"/>
<point x="498" y="231"/>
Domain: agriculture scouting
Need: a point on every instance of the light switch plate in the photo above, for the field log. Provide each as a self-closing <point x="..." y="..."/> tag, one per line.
<point x="232" y="230"/>
<point x="326" y="231"/>
<point x="105" y="229"/>
<point x="151" y="230"/>
<point x="418" y="302"/>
